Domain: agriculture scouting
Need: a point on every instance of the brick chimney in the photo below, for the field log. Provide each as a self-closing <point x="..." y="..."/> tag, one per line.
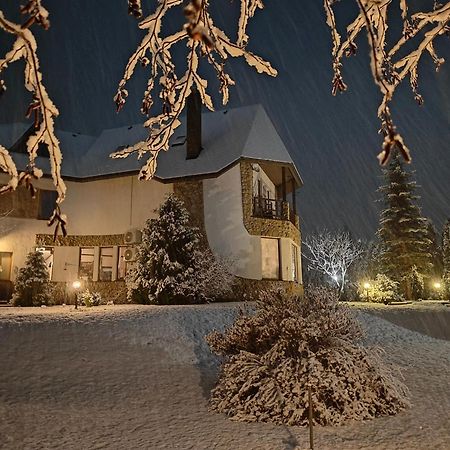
<point x="194" y="125"/>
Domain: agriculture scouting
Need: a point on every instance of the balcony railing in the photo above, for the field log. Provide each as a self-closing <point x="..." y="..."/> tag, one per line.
<point x="269" y="208"/>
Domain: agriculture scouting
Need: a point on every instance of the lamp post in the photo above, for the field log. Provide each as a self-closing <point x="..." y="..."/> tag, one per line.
<point x="366" y="288"/>
<point x="76" y="285"/>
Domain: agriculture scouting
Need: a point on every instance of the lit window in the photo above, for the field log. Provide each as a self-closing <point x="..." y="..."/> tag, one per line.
<point x="294" y="251"/>
<point x="270" y="259"/>
<point x="106" y="263"/>
<point x="122" y="264"/>
<point x="86" y="270"/>
<point x="5" y="265"/>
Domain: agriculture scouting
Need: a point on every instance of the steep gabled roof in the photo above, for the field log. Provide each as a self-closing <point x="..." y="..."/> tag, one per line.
<point x="227" y="137"/>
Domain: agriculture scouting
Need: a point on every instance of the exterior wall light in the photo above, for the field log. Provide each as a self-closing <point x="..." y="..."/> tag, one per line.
<point x="76" y="285"/>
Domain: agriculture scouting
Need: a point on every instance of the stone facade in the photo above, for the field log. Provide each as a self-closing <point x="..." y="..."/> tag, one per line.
<point x="20" y="203"/>
<point x="263" y="227"/>
<point x="191" y="194"/>
<point x="47" y="240"/>
<point x="251" y="290"/>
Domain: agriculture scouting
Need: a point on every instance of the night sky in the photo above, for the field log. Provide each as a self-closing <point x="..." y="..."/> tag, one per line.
<point x="334" y="140"/>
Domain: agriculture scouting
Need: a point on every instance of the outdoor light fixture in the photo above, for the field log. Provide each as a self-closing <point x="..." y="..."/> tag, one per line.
<point x="366" y="287"/>
<point x="76" y="285"/>
<point x="437" y="285"/>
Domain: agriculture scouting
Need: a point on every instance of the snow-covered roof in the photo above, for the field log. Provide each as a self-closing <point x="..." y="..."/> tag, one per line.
<point x="227" y="137"/>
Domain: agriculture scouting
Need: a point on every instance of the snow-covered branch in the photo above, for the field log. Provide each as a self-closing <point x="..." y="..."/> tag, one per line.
<point x="389" y="69"/>
<point x="203" y="40"/>
<point x="332" y="255"/>
<point x="41" y="106"/>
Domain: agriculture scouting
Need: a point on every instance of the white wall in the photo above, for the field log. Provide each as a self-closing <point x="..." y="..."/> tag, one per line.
<point x="103" y="207"/>
<point x="224" y="222"/>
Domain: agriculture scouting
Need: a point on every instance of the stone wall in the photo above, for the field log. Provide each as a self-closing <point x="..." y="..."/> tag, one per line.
<point x="47" y="240"/>
<point x="256" y="225"/>
<point x="250" y="290"/>
<point x="191" y="194"/>
<point x="19" y="203"/>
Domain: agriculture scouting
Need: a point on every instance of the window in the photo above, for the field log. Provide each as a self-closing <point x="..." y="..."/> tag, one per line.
<point x="270" y="253"/>
<point x="122" y="265"/>
<point x="106" y="263"/>
<point x="5" y="265"/>
<point x="86" y="268"/>
<point x="294" y="251"/>
<point x="47" y="203"/>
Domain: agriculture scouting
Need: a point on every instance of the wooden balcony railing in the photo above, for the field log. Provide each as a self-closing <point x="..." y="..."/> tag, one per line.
<point x="268" y="208"/>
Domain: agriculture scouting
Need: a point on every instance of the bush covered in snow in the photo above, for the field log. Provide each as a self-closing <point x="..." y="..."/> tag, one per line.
<point x="381" y="290"/>
<point x="32" y="286"/>
<point x="88" y="298"/>
<point x="171" y="266"/>
<point x="272" y="357"/>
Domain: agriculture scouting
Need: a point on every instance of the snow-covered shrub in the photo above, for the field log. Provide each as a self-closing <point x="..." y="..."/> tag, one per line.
<point x="88" y="298"/>
<point x="32" y="286"/>
<point x="171" y="266"/>
<point x="272" y="356"/>
<point x="380" y="290"/>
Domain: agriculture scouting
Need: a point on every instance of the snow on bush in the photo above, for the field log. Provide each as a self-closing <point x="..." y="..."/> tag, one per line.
<point x="88" y="298"/>
<point x="380" y="290"/>
<point x="272" y="357"/>
<point x="171" y="267"/>
<point x="32" y="286"/>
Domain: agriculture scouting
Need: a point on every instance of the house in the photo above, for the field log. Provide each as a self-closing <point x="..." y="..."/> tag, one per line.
<point x="230" y="168"/>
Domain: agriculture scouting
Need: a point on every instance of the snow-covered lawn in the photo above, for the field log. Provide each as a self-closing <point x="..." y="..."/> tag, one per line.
<point x="139" y="377"/>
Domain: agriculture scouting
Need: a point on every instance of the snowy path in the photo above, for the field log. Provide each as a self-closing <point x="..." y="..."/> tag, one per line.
<point x="138" y="377"/>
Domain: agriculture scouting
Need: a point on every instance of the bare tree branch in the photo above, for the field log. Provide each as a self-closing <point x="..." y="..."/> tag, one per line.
<point x="389" y="69"/>
<point x="204" y="40"/>
<point x="41" y="107"/>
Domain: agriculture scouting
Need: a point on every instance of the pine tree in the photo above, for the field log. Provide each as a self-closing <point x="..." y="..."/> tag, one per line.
<point x="435" y="249"/>
<point x="403" y="230"/>
<point x="446" y="256"/>
<point x="32" y="286"/>
<point x="169" y="258"/>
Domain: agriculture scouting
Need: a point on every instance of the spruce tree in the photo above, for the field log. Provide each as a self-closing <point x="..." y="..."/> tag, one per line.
<point x="32" y="286"/>
<point x="446" y="256"/>
<point x="169" y="258"/>
<point x="403" y="231"/>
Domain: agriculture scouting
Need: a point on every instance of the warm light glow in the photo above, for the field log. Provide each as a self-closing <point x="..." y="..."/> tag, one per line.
<point x="76" y="284"/>
<point x="437" y="285"/>
<point x="366" y="285"/>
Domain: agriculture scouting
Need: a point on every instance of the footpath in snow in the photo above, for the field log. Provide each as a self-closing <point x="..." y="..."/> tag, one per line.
<point x="139" y="377"/>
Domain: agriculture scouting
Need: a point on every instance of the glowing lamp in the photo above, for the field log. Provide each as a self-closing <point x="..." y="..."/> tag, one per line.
<point x="76" y="284"/>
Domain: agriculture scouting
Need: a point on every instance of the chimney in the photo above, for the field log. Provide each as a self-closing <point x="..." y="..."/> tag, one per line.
<point x="194" y="125"/>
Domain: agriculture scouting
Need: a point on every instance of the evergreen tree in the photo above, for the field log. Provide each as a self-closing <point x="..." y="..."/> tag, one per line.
<point x="446" y="256"/>
<point x="169" y="258"/>
<point x="403" y="230"/>
<point x="435" y="250"/>
<point x="32" y="286"/>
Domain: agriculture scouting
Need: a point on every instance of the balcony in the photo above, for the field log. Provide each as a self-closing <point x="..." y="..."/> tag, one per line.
<point x="268" y="208"/>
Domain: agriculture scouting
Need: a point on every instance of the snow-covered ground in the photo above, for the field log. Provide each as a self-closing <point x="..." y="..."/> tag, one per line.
<point x="139" y="377"/>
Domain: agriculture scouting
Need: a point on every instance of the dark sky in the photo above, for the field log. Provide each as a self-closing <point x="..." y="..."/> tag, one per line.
<point x="334" y="140"/>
